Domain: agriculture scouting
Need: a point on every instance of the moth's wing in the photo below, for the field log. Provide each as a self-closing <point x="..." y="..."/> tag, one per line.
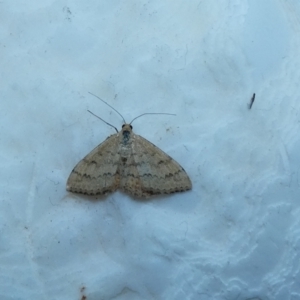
<point x="150" y="171"/>
<point x="96" y="174"/>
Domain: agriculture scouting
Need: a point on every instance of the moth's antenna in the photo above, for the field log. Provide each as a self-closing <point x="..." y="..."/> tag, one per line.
<point x="103" y="120"/>
<point x="110" y="107"/>
<point x="151" y="114"/>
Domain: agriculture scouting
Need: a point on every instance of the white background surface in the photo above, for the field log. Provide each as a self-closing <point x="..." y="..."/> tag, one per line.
<point x="236" y="235"/>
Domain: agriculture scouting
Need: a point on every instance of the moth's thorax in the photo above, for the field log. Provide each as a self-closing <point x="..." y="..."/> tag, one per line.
<point x="126" y="138"/>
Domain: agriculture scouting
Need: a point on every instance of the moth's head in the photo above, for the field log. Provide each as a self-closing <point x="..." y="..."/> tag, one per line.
<point x="126" y="128"/>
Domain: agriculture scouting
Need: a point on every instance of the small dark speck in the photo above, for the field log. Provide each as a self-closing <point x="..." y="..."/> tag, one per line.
<point x="251" y="101"/>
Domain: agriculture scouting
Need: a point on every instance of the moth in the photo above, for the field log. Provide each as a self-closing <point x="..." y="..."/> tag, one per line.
<point x="128" y="162"/>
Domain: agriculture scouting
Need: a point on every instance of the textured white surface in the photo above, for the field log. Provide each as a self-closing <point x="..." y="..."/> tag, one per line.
<point x="236" y="235"/>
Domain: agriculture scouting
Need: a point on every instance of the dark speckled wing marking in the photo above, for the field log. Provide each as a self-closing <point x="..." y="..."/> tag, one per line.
<point x="131" y="163"/>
